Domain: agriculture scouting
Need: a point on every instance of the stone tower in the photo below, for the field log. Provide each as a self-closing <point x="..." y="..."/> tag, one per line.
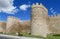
<point x="10" y="22"/>
<point x="39" y="22"/>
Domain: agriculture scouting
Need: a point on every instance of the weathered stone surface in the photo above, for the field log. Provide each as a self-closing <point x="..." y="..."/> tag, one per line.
<point x="39" y="20"/>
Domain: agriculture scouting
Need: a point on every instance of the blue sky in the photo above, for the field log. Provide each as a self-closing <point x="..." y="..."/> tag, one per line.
<point x="22" y="10"/>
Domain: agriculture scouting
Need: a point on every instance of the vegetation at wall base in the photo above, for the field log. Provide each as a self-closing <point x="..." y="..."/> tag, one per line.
<point x="1" y="32"/>
<point x="27" y="35"/>
<point x="49" y="36"/>
<point x="24" y="35"/>
<point x="53" y="36"/>
<point x="10" y="33"/>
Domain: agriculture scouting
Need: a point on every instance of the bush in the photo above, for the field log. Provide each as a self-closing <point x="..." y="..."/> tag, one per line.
<point x="20" y="34"/>
<point x="1" y="32"/>
<point x="10" y="33"/>
<point x="53" y="36"/>
<point x="56" y="34"/>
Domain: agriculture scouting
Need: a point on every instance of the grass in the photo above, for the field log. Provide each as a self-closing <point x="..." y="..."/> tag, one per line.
<point x="27" y="35"/>
<point x="14" y="34"/>
<point x="50" y="36"/>
<point x="24" y="35"/>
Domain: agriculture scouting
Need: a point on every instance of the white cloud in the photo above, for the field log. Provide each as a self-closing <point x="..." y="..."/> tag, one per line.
<point x="55" y="12"/>
<point x="13" y="12"/>
<point x="24" y="7"/>
<point x="52" y="11"/>
<point x="7" y="6"/>
<point x="51" y="8"/>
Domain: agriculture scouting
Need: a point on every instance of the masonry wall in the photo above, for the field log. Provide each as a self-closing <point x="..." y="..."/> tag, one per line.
<point x="54" y="24"/>
<point x="12" y="22"/>
<point x="2" y="26"/>
<point x="39" y="17"/>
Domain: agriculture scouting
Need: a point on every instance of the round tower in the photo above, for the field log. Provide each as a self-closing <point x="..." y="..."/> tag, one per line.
<point x="39" y="17"/>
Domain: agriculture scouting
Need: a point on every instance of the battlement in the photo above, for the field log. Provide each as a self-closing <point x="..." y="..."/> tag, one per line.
<point x="55" y="16"/>
<point x="37" y="5"/>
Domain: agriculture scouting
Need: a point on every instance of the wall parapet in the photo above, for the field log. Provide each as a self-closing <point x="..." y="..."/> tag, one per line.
<point x="37" y="5"/>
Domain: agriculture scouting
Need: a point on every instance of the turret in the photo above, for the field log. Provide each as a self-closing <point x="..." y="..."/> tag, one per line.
<point x="39" y="20"/>
<point x="37" y="5"/>
<point x="54" y="15"/>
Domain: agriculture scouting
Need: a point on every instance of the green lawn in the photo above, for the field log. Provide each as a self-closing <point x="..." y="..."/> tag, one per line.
<point x="27" y="35"/>
<point x="49" y="36"/>
<point x="53" y="36"/>
<point x="24" y="35"/>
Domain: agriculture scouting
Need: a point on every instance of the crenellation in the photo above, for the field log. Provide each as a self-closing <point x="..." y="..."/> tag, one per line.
<point x="51" y="16"/>
<point x="59" y="15"/>
<point x="43" y="6"/>
<point x="33" y="4"/>
<point x="54" y="15"/>
<point x="37" y="5"/>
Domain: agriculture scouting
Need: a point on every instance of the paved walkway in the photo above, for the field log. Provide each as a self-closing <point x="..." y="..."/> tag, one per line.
<point x="15" y="37"/>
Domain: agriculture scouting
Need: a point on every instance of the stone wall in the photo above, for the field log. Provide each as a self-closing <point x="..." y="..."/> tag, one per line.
<point x="39" y="17"/>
